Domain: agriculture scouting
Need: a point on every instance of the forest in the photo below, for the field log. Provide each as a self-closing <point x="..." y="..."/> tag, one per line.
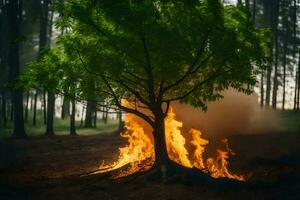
<point x="150" y="99"/>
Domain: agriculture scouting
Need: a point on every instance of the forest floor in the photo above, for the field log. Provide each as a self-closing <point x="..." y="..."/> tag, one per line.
<point x="50" y="168"/>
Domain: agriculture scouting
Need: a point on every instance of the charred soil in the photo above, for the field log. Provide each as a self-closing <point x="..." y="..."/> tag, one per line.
<point x="52" y="168"/>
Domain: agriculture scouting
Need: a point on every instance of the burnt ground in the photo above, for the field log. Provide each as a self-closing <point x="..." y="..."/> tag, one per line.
<point x="50" y="168"/>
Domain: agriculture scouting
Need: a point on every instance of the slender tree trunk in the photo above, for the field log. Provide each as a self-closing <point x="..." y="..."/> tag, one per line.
<point x="121" y="125"/>
<point x="298" y="89"/>
<point x="4" y="114"/>
<point x="262" y="91"/>
<point x="275" y="82"/>
<point x="105" y="115"/>
<point x="82" y="114"/>
<point x="27" y="105"/>
<point x="72" y="119"/>
<point x="65" y="111"/>
<point x="12" y="108"/>
<point x="295" y="90"/>
<point x="95" y="118"/>
<point x="254" y="11"/>
<point x="44" y="107"/>
<point x="50" y="113"/>
<point x="34" y="107"/>
<point x="88" y="122"/>
<point x="284" y="67"/>
<point x="247" y="4"/>
<point x="15" y="11"/>
<point x="268" y="86"/>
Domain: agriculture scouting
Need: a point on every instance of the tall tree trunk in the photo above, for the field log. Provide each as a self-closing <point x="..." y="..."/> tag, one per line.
<point x="298" y="89"/>
<point x="160" y="146"/>
<point x="275" y="81"/>
<point x="44" y="107"/>
<point x="121" y="124"/>
<point x="72" y="119"/>
<point x="268" y="86"/>
<point x="247" y="4"/>
<point x="82" y="114"/>
<point x="95" y="118"/>
<point x="284" y="64"/>
<point x="262" y="91"/>
<point x="4" y="113"/>
<point x="105" y="115"/>
<point x="88" y="123"/>
<point x="50" y="113"/>
<point x="15" y="11"/>
<point x="34" y="107"/>
<point x="65" y="109"/>
<point x="254" y="11"/>
<point x="27" y="105"/>
<point x="11" y="109"/>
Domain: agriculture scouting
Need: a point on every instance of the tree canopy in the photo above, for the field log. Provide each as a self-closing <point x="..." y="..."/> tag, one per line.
<point x="156" y="52"/>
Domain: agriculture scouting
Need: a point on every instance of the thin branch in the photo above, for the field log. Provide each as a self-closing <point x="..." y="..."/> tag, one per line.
<point x="214" y="76"/>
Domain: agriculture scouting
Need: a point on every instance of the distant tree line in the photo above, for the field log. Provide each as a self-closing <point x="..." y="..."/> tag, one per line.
<point x="281" y="78"/>
<point x="26" y="35"/>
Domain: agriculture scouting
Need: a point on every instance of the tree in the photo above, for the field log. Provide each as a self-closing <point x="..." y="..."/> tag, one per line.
<point x="15" y="14"/>
<point x="153" y="53"/>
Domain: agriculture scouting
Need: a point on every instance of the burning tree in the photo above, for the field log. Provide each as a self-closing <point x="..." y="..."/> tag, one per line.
<point x="153" y="53"/>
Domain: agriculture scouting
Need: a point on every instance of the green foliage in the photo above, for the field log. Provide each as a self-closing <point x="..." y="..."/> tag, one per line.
<point x="160" y="51"/>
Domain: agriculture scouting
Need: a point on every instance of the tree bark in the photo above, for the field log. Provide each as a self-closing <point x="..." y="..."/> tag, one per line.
<point x="298" y="89"/>
<point x="27" y="105"/>
<point x="72" y="119"/>
<point x="4" y="113"/>
<point x="262" y="91"/>
<point x="268" y="86"/>
<point x="284" y="64"/>
<point x="15" y="11"/>
<point x="65" y="110"/>
<point x="275" y="82"/>
<point x="161" y="153"/>
<point x="34" y="108"/>
<point x="88" y="122"/>
<point x="45" y="107"/>
<point x="50" y="114"/>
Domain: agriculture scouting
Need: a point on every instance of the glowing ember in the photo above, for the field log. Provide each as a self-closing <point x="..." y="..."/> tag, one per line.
<point x="139" y="153"/>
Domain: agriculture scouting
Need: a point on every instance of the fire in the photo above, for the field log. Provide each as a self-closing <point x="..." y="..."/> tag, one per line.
<point x="139" y="155"/>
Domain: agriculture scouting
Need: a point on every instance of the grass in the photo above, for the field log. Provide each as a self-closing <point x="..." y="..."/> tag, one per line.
<point x="289" y="120"/>
<point x="61" y="127"/>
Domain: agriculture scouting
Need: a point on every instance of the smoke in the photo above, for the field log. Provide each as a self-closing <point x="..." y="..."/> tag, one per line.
<point x="236" y="113"/>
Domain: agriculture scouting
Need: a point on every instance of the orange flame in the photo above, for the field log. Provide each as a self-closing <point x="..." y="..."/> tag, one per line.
<point x="139" y="152"/>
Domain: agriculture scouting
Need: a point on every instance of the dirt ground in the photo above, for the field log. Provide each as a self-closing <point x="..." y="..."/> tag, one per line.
<point x="50" y="168"/>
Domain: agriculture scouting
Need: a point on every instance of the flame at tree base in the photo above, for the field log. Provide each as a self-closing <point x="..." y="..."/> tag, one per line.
<point x="139" y="152"/>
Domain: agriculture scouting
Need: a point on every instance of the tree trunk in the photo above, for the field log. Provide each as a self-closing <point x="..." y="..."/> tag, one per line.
<point x="95" y="118"/>
<point x="275" y="82"/>
<point x="50" y="113"/>
<point x="298" y="89"/>
<point x="3" y="105"/>
<point x="45" y="107"/>
<point x="65" y="109"/>
<point x="34" y="107"/>
<point x="12" y="108"/>
<point x="15" y="11"/>
<point x="284" y="65"/>
<point x="262" y="91"/>
<point x="121" y="124"/>
<point x="88" y="122"/>
<point x="72" y="119"/>
<point x="268" y="86"/>
<point x="160" y="146"/>
<point x="27" y="105"/>
<point x="247" y="4"/>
